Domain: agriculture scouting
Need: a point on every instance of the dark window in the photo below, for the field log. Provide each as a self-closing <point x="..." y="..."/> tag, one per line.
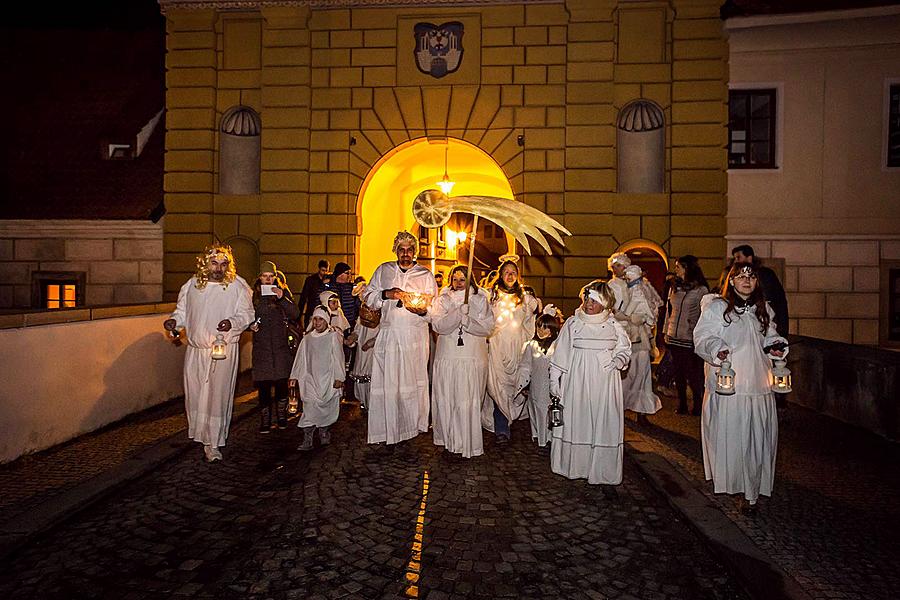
<point x="751" y="129"/>
<point x="893" y="149"/>
<point x="894" y="305"/>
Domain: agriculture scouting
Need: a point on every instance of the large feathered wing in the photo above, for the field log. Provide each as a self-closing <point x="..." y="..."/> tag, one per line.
<point x="432" y="208"/>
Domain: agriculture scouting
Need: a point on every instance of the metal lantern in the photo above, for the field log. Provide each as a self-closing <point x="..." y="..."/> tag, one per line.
<point x="725" y="379"/>
<point x="218" y="347"/>
<point x="781" y="378"/>
<point x="555" y="412"/>
<point x="293" y="400"/>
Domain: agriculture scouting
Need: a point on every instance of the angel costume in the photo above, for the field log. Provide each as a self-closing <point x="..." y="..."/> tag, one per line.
<point x="641" y="309"/>
<point x="460" y="372"/>
<point x="584" y="373"/>
<point x="534" y="372"/>
<point x="362" y="366"/>
<point x="513" y="326"/>
<point x="740" y="431"/>
<point x="208" y="383"/>
<point x="398" y="396"/>
<point x="318" y="364"/>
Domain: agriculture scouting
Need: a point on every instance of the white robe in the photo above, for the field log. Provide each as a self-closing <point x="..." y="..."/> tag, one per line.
<point x="534" y="372"/>
<point x="318" y="364"/>
<point x="637" y="387"/>
<point x="513" y="326"/>
<point x="362" y="366"/>
<point x="584" y="372"/>
<point x="739" y="432"/>
<point x="398" y="396"/>
<point x="208" y="383"/>
<point x="460" y="372"/>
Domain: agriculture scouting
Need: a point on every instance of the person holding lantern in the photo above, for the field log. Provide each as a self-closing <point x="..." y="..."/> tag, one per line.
<point x="514" y="315"/>
<point x="460" y="364"/>
<point x="739" y="422"/>
<point x="591" y="350"/>
<point x="214" y="306"/>
<point x="365" y="331"/>
<point x="319" y="373"/>
<point x="272" y="352"/>
<point x="398" y="391"/>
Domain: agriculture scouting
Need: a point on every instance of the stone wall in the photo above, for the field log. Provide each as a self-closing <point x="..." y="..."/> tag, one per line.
<point x="337" y="90"/>
<point x="120" y="261"/>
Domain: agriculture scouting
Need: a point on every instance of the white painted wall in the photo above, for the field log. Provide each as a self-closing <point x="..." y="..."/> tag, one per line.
<point x="60" y="381"/>
<point x="831" y="209"/>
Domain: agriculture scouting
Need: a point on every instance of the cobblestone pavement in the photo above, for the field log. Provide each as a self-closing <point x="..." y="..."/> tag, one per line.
<point x="833" y="522"/>
<point x="34" y="478"/>
<point x="340" y="522"/>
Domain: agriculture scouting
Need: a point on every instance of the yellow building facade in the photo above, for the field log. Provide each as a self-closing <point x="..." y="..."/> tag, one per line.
<point x="550" y="103"/>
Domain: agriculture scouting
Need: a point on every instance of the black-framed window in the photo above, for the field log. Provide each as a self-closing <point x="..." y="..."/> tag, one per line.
<point x="751" y="129"/>
<point x="893" y="141"/>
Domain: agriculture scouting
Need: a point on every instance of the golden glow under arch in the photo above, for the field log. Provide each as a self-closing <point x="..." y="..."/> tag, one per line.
<point x="640" y="243"/>
<point x="384" y="204"/>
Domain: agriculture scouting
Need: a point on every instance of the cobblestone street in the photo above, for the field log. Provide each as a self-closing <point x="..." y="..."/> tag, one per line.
<point x="340" y="522"/>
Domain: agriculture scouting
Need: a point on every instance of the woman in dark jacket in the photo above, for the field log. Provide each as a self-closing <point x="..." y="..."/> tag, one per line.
<point x="683" y="313"/>
<point x="272" y="355"/>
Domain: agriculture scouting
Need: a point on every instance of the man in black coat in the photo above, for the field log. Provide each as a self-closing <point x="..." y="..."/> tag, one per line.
<point x="770" y="284"/>
<point x="313" y="286"/>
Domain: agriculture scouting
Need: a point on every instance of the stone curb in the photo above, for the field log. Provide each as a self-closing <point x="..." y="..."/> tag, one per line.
<point x="23" y="527"/>
<point x="761" y="576"/>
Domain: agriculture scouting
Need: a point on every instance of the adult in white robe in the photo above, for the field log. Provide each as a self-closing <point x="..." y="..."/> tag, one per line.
<point x="641" y="310"/>
<point x="513" y="326"/>
<point x="591" y="349"/>
<point x="214" y="302"/>
<point x="739" y="432"/>
<point x="460" y="371"/>
<point x="319" y="372"/>
<point x="398" y="395"/>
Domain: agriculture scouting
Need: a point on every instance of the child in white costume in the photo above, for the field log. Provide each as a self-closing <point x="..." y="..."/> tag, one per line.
<point x="739" y="431"/>
<point x="534" y="373"/>
<point x="362" y="366"/>
<point x="591" y="349"/>
<point x="319" y="372"/>
<point x="331" y="302"/>
<point x="641" y="308"/>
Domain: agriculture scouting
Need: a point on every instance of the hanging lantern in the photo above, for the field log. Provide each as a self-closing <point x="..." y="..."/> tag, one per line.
<point x="781" y="378"/>
<point x="218" y="348"/>
<point x="293" y="400"/>
<point x="555" y="412"/>
<point x="725" y="379"/>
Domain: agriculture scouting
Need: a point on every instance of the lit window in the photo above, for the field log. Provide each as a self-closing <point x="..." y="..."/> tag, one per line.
<point x="59" y="295"/>
<point x="893" y="141"/>
<point x="751" y="129"/>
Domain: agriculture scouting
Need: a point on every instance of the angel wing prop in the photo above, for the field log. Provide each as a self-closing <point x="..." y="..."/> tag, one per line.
<point x="432" y="208"/>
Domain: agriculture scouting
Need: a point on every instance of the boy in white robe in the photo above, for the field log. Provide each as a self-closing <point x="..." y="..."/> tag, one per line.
<point x="591" y="349"/>
<point x="319" y="373"/>
<point x="214" y="302"/>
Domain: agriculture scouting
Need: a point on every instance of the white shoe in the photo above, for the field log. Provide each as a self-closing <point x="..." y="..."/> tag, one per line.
<point x="212" y="453"/>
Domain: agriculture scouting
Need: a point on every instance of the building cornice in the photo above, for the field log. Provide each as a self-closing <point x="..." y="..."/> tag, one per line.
<point x="79" y="229"/>
<point x="736" y="23"/>
<point x="247" y="5"/>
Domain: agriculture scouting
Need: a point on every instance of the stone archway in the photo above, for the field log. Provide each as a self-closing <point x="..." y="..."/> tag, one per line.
<point x="651" y="257"/>
<point x="384" y="204"/>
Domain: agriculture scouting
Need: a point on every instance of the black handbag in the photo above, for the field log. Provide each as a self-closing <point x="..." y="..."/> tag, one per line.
<point x="665" y="370"/>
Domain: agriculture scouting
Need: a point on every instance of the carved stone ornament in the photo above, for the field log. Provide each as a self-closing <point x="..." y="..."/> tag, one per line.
<point x="326" y="4"/>
<point x="640" y="115"/>
<point x="439" y="48"/>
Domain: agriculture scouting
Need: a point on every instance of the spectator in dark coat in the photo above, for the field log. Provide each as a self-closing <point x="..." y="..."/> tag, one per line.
<point x="272" y="355"/>
<point x="313" y="286"/>
<point x="771" y="287"/>
<point x="342" y="285"/>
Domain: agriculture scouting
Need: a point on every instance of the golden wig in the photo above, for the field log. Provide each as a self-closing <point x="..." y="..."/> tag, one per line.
<point x="211" y="252"/>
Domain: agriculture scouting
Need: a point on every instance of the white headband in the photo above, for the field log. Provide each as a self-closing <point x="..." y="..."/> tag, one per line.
<point x="595" y="296"/>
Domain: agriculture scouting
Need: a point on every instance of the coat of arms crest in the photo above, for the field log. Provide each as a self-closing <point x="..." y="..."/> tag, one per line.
<point x="439" y="48"/>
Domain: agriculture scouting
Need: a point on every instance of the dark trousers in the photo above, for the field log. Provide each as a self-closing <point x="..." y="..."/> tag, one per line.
<point x="265" y="388"/>
<point x="688" y="371"/>
<point x="501" y="423"/>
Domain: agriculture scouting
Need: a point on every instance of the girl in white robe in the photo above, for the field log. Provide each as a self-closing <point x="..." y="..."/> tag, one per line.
<point x="319" y="372"/>
<point x="641" y="309"/>
<point x="591" y="349"/>
<point x="513" y="326"/>
<point x="740" y="431"/>
<point x="460" y="371"/>
<point x="534" y="373"/>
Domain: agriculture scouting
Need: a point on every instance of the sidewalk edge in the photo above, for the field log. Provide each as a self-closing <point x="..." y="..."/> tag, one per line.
<point x="760" y="575"/>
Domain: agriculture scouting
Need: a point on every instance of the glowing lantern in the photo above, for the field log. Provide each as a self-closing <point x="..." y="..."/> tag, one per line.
<point x="781" y="378"/>
<point x="416" y="300"/>
<point x="293" y="400"/>
<point x="218" y="348"/>
<point x="725" y="379"/>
